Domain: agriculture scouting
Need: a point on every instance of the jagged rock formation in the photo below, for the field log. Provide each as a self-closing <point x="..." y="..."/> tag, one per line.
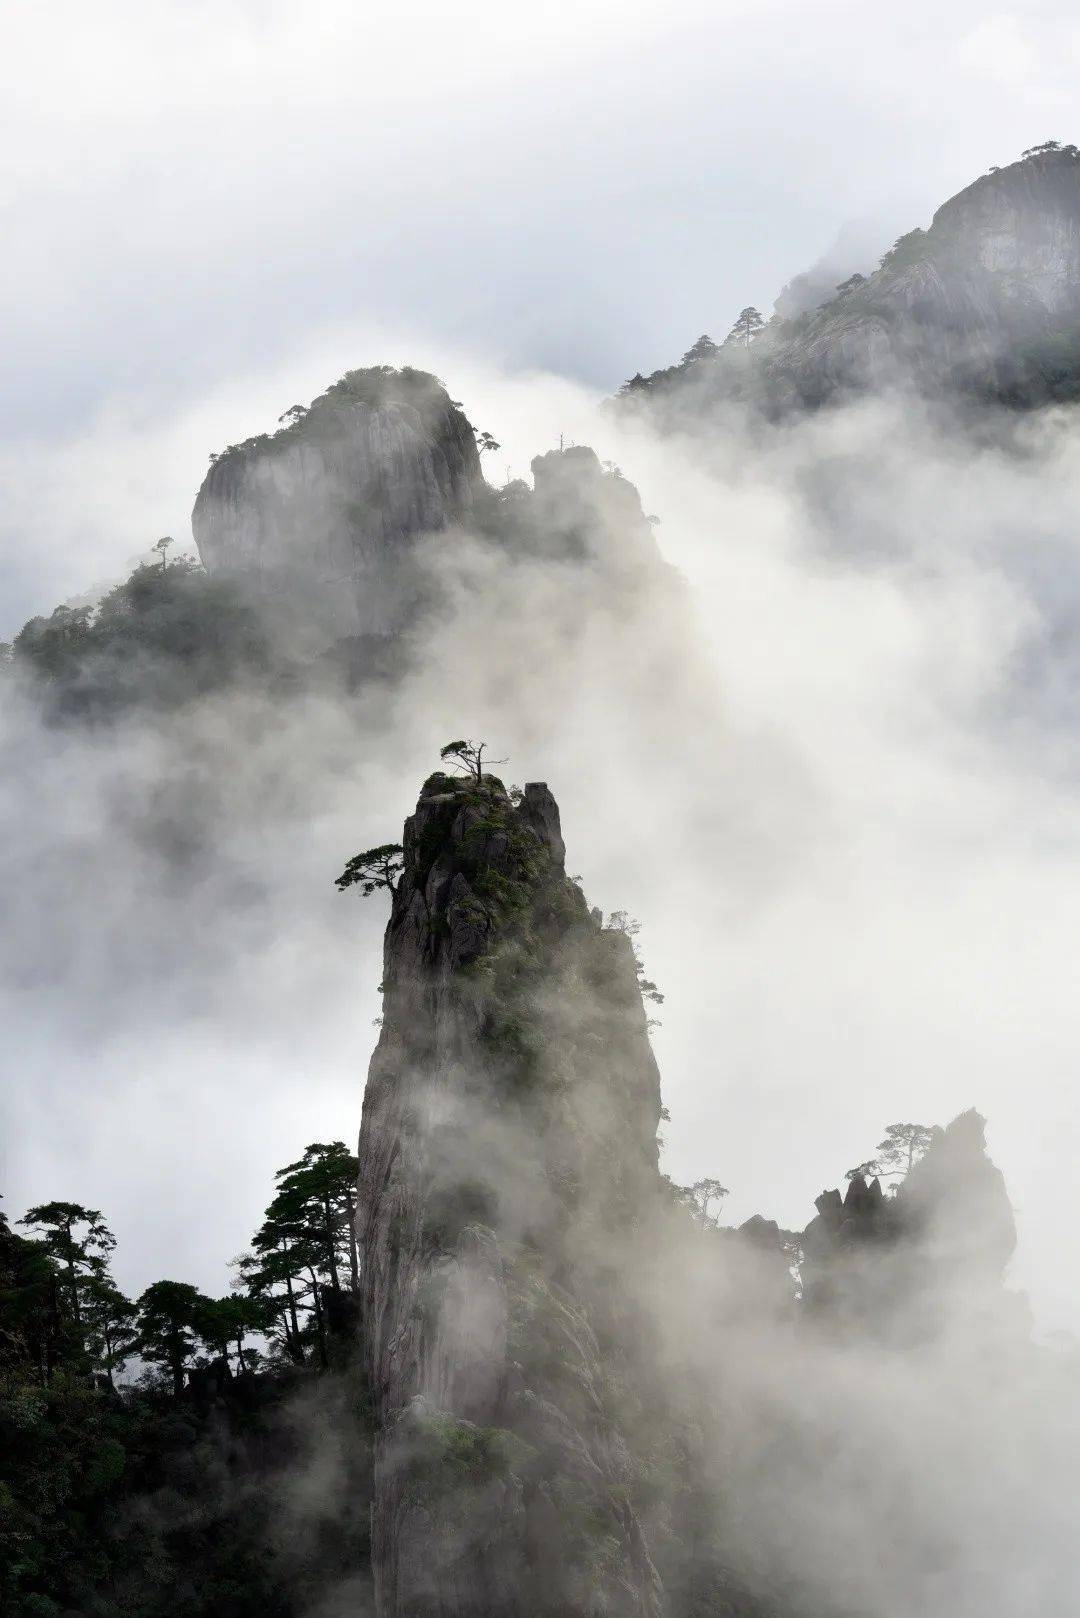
<point x="328" y="524"/>
<point x="892" y="1262"/>
<point x="509" y="1131"/>
<point x="986" y="302"/>
<point x="330" y="505"/>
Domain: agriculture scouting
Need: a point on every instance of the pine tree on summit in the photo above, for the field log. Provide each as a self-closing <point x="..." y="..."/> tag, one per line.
<point x="747" y="326"/>
<point x="467" y="757"/>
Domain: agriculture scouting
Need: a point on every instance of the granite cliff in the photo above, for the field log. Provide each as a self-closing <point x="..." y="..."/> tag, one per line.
<point x="508" y="1147"/>
<point x="326" y="510"/>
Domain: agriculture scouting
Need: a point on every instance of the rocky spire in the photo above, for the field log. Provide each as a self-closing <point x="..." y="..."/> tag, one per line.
<point x="509" y="1127"/>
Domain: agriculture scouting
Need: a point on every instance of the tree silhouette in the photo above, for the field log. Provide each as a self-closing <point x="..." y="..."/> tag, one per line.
<point x="467" y="756"/>
<point x="169" y="1317"/>
<point x="898" y="1152"/>
<point x="703" y="349"/>
<point x="747" y="325"/>
<point x="110" y="1322"/>
<point x="162" y="546"/>
<point x="320" y="1191"/>
<point x="80" y="1242"/>
<point x="699" y="1197"/>
<point x="902" y="1147"/>
<point x="375" y="868"/>
<point x="223" y="1323"/>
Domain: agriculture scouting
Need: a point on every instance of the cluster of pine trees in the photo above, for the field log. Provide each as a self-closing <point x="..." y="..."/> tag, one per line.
<point x="113" y="1485"/>
<point x="61" y="1310"/>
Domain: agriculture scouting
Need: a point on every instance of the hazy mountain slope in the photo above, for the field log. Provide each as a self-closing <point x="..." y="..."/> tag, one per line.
<point x="985" y="302"/>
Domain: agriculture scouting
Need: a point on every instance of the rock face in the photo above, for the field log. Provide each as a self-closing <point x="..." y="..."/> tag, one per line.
<point x="509" y="1130"/>
<point x="981" y="300"/>
<point x="985" y="302"/>
<point x="327" y="508"/>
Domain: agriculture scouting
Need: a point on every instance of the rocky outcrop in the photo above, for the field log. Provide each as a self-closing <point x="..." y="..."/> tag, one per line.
<point x="509" y="1131"/>
<point x="327" y="509"/>
<point x="924" y="1260"/>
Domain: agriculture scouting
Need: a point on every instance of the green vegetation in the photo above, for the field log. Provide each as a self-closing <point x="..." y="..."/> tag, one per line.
<point x="897" y="1153"/>
<point x="373" y="869"/>
<point x="748" y="323"/>
<point x="703" y="349"/>
<point x="168" y="634"/>
<point x="906" y="250"/>
<point x="165" y="1492"/>
<point x="448" y="1458"/>
<point x="700" y="1197"/>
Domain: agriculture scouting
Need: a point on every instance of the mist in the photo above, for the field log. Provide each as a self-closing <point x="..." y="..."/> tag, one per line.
<point x="841" y="802"/>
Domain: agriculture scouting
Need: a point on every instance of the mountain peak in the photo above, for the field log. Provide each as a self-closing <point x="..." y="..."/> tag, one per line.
<point x="327" y="507"/>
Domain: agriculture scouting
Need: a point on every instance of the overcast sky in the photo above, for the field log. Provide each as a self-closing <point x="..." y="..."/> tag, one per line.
<point x="212" y="210"/>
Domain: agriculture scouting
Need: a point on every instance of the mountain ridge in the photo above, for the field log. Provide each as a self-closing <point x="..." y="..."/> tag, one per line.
<point x="984" y="305"/>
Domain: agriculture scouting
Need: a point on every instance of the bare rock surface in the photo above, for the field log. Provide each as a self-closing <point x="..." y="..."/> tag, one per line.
<point x="329" y="506"/>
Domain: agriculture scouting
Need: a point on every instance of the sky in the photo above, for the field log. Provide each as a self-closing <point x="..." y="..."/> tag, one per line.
<point x="213" y="211"/>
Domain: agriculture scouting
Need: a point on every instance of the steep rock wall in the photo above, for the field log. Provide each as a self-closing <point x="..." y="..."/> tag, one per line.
<point x="328" y="507"/>
<point x="509" y="1128"/>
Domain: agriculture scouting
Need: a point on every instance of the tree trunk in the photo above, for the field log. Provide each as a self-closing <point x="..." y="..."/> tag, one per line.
<point x="292" y="1343"/>
<point x="318" y="1320"/>
<point x="292" y="1300"/>
<point x="73" y="1281"/>
<point x="328" y="1219"/>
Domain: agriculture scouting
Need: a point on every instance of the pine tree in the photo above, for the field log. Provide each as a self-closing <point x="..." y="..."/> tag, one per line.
<point x="703" y="349"/>
<point x="747" y="326"/>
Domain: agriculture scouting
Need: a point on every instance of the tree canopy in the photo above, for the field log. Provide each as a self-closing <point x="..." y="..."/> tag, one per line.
<point x="375" y="868"/>
<point x="467" y="757"/>
<point x="897" y="1152"/>
<point x="703" y="349"/>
